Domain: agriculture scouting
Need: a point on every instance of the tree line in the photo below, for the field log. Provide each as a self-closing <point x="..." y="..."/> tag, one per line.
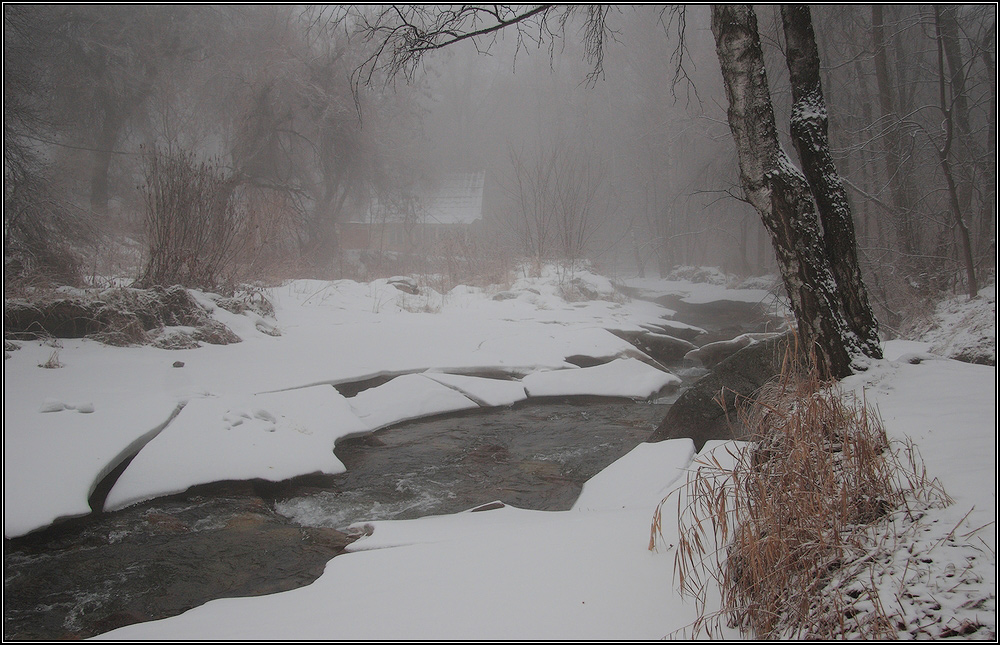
<point x="200" y="134"/>
<point x="113" y="111"/>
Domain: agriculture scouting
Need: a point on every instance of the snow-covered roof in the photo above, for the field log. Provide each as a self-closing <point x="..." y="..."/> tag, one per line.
<point x="458" y="200"/>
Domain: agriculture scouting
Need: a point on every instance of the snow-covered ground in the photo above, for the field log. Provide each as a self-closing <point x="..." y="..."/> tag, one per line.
<point x="961" y="328"/>
<point x="265" y="408"/>
<point x="507" y="573"/>
<point x="701" y="285"/>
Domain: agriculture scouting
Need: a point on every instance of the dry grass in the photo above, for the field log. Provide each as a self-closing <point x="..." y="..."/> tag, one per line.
<point x="53" y="362"/>
<point x="787" y="531"/>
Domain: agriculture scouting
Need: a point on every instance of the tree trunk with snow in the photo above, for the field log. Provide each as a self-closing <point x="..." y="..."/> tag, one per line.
<point x="809" y="129"/>
<point x="783" y="197"/>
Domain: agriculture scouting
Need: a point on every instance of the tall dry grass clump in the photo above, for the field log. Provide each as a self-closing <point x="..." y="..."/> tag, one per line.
<point x="786" y="530"/>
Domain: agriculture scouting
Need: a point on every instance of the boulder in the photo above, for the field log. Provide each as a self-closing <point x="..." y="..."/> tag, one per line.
<point x="662" y="347"/>
<point x="404" y="284"/>
<point x="675" y="329"/>
<point x="119" y="316"/>
<point x="711" y="354"/>
<point x="698" y="414"/>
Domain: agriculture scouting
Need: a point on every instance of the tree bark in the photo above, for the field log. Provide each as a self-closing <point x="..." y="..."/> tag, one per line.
<point x="809" y="130"/>
<point x="781" y="194"/>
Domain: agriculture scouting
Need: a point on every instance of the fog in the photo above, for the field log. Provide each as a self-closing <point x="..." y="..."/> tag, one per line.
<point x="318" y="156"/>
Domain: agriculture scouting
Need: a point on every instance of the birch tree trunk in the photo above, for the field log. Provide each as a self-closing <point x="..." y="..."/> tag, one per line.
<point x="782" y="196"/>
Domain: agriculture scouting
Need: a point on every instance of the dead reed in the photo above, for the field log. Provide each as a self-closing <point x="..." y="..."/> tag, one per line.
<point x="786" y="527"/>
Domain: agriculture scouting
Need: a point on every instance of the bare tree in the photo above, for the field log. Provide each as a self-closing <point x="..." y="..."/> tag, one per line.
<point x="39" y="227"/>
<point x="934" y="91"/>
<point x="583" y="200"/>
<point x="780" y="193"/>
<point x="403" y="34"/>
<point x="944" y="21"/>
<point x="533" y="191"/>
<point x="561" y="196"/>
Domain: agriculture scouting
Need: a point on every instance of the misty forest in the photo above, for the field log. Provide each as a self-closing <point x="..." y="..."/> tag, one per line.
<point x="606" y="272"/>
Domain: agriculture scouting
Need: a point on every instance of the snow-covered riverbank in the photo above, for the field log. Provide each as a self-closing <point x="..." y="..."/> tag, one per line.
<point x="264" y="407"/>
<point x="588" y="574"/>
<point x="506" y="573"/>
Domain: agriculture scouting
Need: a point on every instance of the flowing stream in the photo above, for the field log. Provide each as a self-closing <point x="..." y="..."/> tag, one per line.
<point x="159" y="558"/>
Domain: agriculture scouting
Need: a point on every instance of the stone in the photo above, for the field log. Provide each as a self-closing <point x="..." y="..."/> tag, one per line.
<point x="698" y="414"/>
<point x="662" y="347"/>
<point x="404" y="284"/>
<point x="711" y="354"/>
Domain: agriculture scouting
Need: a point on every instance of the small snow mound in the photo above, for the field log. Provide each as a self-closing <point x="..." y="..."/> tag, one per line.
<point x="711" y="275"/>
<point x="961" y="328"/>
<point x="264" y="415"/>
<point x="52" y="405"/>
<point x="571" y="283"/>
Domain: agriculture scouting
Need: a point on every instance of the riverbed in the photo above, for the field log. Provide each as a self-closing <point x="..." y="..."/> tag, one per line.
<point x="159" y="558"/>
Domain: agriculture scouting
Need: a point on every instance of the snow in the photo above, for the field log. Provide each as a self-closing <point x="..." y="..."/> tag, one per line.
<point x="271" y="436"/>
<point x="500" y="574"/>
<point x="266" y="408"/>
<point x="587" y="573"/>
<point x="52" y="460"/>
<point x="712" y="353"/>
<point x="636" y="480"/>
<point x="487" y="392"/>
<point x="624" y="377"/>
<point x="963" y="328"/>
<point x="410" y="396"/>
<point x="699" y="293"/>
<point x="948" y="408"/>
<point x="67" y="427"/>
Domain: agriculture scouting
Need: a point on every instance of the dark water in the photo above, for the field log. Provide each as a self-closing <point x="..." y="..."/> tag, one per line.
<point x="724" y="319"/>
<point x="533" y="456"/>
<point x="165" y="556"/>
<point x="155" y="560"/>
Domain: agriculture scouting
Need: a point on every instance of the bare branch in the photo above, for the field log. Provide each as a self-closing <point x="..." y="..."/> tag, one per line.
<point x="678" y="19"/>
<point x="402" y="34"/>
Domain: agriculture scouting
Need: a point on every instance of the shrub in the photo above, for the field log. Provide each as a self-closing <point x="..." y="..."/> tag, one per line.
<point x="193" y="221"/>
<point x="788" y="530"/>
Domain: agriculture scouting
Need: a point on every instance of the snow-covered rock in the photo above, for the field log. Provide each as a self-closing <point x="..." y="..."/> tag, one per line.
<point x="411" y="396"/>
<point x="624" y="377"/>
<point x="272" y="436"/>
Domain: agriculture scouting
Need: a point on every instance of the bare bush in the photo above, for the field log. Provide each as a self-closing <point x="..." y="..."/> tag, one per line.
<point x="194" y="221"/>
<point x="475" y="260"/>
<point x="561" y="196"/>
<point x="53" y="362"/>
<point x="788" y="531"/>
